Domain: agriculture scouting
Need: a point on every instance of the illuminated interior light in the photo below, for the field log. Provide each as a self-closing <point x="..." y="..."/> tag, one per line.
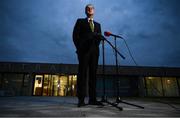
<point x="168" y="81"/>
<point x="150" y="77"/>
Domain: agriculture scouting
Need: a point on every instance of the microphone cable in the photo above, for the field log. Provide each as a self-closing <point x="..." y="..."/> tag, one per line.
<point x="129" y="51"/>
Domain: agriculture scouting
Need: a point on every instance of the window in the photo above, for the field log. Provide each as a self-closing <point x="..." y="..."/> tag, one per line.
<point x="170" y="86"/>
<point x="154" y="86"/>
<point x="162" y="86"/>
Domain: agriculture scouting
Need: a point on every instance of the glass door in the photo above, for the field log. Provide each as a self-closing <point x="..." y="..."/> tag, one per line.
<point x="47" y="85"/>
<point x="38" y="85"/>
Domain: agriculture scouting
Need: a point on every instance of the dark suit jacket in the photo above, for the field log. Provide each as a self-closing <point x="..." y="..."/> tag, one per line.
<point x="83" y="37"/>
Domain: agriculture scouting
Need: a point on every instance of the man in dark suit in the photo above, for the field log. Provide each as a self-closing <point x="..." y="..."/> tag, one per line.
<point x="86" y="37"/>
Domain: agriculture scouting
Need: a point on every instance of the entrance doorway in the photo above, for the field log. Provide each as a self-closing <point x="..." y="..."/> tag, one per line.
<point x="55" y="85"/>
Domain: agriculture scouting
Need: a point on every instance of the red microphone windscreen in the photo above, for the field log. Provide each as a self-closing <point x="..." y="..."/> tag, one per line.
<point x="107" y="33"/>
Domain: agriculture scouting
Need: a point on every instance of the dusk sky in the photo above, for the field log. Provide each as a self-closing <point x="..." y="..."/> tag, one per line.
<point x="41" y="30"/>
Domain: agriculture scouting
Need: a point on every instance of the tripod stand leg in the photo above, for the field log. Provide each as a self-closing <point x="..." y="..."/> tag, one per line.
<point x="104" y="100"/>
<point x="118" y="100"/>
<point x="115" y="105"/>
<point x="132" y="104"/>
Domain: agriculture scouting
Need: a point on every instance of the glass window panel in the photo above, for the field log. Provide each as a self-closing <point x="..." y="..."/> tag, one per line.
<point x="154" y="86"/>
<point x="55" y="85"/>
<point x="63" y="86"/>
<point x="46" y="85"/>
<point x="13" y="84"/>
<point x="170" y="86"/>
<point x="26" y="85"/>
<point x="72" y="85"/>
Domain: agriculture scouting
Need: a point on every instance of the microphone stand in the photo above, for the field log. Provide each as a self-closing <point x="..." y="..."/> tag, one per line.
<point x="104" y="97"/>
<point x="118" y="99"/>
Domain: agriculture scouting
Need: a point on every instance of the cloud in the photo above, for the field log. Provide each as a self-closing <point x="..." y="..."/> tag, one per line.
<point x="41" y="31"/>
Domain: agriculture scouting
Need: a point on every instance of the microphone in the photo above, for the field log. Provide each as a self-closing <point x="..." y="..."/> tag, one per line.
<point x="106" y="33"/>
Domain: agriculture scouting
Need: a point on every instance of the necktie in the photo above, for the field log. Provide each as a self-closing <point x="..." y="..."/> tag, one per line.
<point x="91" y="25"/>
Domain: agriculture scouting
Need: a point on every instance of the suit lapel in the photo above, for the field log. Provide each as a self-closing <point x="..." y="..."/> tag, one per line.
<point x="86" y="23"/>
<point x="95" y="27"/>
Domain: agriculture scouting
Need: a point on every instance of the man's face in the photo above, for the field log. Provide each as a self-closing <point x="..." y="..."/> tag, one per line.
<point x="90" y="10"/>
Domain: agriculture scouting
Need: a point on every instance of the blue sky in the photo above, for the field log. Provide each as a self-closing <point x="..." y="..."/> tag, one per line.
<point x="41" y="30"/>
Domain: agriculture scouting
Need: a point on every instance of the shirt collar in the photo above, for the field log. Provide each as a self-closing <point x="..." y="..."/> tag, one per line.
<point x="90" y="19"/>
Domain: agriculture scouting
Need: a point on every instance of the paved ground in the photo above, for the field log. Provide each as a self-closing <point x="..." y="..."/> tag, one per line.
<point x="66" y="106"/>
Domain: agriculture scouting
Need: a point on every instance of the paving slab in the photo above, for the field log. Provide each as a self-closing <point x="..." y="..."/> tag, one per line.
<point x="25" y="106"/>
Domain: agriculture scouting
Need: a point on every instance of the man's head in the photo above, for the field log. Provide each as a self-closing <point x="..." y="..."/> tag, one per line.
<point x="89" y="10"/>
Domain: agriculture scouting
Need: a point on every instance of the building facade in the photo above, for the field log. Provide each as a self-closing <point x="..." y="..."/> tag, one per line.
<point x="39" y="79"/>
